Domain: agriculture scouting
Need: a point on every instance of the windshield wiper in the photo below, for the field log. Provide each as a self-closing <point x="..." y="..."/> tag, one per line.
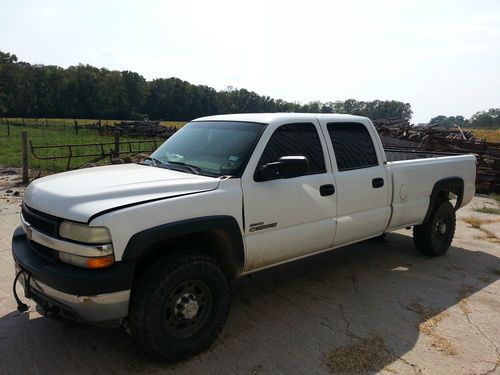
<point x="154" y="161"/>
<point x="192" y="168"/>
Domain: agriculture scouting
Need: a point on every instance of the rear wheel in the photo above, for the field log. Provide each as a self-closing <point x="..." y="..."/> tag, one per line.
<point x="434" y="237"/>
<point x="179" y="306"/>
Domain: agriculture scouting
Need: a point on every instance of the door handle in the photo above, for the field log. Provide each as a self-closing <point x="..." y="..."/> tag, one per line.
<point x="377" y="182"/>
<point x="325" y="190"/>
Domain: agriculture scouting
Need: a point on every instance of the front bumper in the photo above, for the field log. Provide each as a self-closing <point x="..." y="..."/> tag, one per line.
<point x="87" y="295"/>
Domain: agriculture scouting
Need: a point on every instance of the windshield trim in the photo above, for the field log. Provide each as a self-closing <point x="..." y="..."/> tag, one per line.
<point x="240" y="171"/>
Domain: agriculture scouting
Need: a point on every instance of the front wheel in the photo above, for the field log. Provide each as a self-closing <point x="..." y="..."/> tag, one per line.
<point x="179" y="306"/>
<point x="434" y="237"/>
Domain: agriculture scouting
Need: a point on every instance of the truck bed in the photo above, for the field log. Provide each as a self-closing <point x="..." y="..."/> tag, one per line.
<point x="414" y="173"/>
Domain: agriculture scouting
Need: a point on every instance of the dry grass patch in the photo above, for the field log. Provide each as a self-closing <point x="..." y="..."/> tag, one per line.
<point x="463" y="302"/>
<point x="487" y="235"/>
<point x="487" y="210"/>
<point x="476" y="222"/>
<point x="366" y="355"/>
<point x="430" y="319"/>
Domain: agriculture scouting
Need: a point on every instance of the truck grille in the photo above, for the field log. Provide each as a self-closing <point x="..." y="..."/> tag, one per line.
<point x="44" y="251"/>
<point x="40" y="221"/>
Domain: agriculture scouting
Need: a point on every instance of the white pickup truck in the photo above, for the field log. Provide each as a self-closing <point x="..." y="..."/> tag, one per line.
<point x="153" y="246"/>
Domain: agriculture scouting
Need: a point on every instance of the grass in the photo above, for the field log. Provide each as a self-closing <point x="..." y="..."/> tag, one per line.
<point x="366" y="355"/>
<point x="491" y="135"/>
<point x="11" y="150"/>
<point x="475" y="222"/>
<point x="57" y="131"/>
<point x="430" y="319"/>
<point x="488" y="210"/>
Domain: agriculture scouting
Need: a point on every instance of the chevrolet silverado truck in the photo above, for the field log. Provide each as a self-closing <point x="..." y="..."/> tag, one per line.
<point x="153" y="246"/>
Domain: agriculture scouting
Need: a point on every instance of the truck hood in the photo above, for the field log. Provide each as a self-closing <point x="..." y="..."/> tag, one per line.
<point x="79" y="195"/>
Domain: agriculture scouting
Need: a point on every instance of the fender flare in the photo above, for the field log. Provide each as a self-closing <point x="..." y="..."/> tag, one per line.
<point x="220" y="225"/>
<point x="457" y="186"/>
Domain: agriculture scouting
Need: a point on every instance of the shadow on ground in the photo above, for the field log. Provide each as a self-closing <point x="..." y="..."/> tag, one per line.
<point x="352" y="310"/>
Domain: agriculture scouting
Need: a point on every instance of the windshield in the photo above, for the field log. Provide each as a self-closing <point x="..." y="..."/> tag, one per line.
<point x="213" y="148"/>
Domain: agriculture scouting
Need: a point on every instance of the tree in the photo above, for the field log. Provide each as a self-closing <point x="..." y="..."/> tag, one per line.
<point x="84" y="91"/>
<point x="449" y="121"/>
<point x="7" y="58"/>
<point x="486" y="119"/>
<point x="135" y="86"/>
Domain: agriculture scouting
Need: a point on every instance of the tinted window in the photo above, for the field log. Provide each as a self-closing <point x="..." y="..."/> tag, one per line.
<point x="352" y="145"/>
<point x="295" y="140"/>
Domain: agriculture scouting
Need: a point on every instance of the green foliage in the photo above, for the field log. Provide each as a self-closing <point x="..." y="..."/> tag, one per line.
<point x="84" y="91"/>
<point x="7" y="58"/>
<point x="449" y="121"/>
<point x="376" y="109"/>
<point x="486" y="119"/>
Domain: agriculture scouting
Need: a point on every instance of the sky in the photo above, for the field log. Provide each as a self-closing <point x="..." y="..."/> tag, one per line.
<point x="441" y="56"/>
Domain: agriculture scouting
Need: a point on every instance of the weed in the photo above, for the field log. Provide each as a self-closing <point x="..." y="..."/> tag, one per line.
<point x="488" y="210"/>
<point x="475" y="222"/>
<point x="366" y="355"/>
<point x="431" y="318"/>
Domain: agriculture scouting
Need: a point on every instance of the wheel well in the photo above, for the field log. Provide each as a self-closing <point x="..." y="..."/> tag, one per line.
<point x="442" y="190"/>
<point x="215" y="244"/>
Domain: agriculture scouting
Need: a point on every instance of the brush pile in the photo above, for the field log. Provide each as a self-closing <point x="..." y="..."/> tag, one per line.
<point x="145" y="129"/>
<point x="399" y="133"/>
<point x="401" y="129"/>
<point x="150" y="129"/>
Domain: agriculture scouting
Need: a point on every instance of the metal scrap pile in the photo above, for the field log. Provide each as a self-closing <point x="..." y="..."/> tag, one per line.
<point x="398" y="133"/>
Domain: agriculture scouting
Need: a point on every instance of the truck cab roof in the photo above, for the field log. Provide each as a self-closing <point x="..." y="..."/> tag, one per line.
<point x="266" y="118"/>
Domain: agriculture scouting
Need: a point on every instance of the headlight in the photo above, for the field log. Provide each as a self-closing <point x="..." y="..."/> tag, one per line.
<point x="84" y="233"/>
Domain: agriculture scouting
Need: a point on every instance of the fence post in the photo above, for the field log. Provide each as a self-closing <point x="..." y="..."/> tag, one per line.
<point x="116" y="152"/>
<point x="100" y="127"/>
<point x="8" y="129"/>
<point x="76" y="127"/>
<point x="24" y="138"/>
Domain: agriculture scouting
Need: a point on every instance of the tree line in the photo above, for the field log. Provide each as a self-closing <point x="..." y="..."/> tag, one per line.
<point x="84" y="91"/>
<point x="483" y="119"/>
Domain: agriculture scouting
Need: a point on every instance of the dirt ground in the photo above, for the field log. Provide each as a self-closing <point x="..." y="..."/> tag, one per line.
<point x="374" y="307"/>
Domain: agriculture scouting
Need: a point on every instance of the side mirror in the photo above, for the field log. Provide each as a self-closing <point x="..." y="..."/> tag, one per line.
<point x="285" y="167"/>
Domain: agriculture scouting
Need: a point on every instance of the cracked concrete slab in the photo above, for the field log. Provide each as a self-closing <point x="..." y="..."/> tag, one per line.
<point x="289" y="319"/>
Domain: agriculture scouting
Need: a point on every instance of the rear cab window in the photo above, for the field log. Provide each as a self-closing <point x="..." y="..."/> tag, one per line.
<point x="352" y="145"/>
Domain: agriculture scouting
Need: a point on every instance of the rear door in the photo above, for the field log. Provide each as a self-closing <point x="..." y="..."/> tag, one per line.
<point x="362" y="181"/>
<point x="292" y="217"/>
